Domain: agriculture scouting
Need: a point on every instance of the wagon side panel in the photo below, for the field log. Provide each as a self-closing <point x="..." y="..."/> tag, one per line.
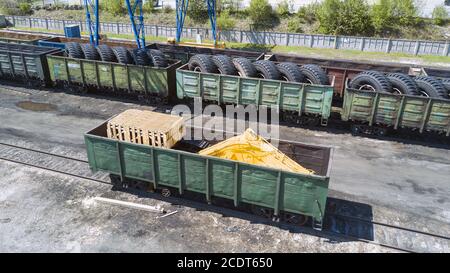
<point x="357" y="106"/>
<point x="57" y="68"/>
<point x="304" y="195"/>
<point x="439" y="118"/>
<point x="102" y="154"/>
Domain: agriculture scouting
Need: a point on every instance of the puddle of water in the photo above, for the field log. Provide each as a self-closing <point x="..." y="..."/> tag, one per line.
<point x="36" y="106"/>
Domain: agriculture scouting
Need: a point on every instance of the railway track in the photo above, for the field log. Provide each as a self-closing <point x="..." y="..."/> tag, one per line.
<point x="348" y="227"/>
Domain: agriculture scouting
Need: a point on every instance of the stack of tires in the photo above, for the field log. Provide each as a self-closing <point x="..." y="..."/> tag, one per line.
<point x="123" y="55"/>
<point x="243" y="67"/>
<point x="398" y="83"/>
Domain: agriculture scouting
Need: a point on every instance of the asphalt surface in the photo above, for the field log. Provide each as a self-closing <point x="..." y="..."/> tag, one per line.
<point x="392" y="181"/>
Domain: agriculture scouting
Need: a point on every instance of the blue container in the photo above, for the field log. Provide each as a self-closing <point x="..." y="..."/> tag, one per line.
<point x="72" y="31"/>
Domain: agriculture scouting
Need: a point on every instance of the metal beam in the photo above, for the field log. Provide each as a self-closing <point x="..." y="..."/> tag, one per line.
<point x="136" y="13"/>
<point x="181" y="10"/>
<point x="212" y="17"/>
<point x="92" y="20"/>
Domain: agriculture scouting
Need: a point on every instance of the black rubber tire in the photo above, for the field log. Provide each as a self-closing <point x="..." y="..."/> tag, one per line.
<point x="290" y="72"/>
<point x="90" y="52"/>
<point x="74" y="50"/>
<point x="403" y="84"/>
<point x="202" y="63"/>
<point x="245" y="68"/>
<point x="378" y="81"/>
<point x="158" y="58"/>
<point x="224" y="64"/>
<point x="267" y="70"/>
<point x="122" y="55"/>
<point x="432" y="87"/>
<point x="314" y="74"/>
<point x="446" y="83"/>
<point x="140" y="57"/>
<point x="106" y="54"/>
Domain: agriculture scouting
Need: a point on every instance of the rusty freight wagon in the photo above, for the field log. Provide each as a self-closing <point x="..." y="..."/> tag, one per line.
<point x="21" y="38"/>
<point x="181" y="170"/>
<point x="345" y="70"/>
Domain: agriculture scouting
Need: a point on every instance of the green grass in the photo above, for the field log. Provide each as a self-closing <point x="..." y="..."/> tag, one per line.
<point x="303" y="51"/>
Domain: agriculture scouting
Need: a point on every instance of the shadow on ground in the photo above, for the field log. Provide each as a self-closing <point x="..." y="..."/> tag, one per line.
<point x="337" y="226"/>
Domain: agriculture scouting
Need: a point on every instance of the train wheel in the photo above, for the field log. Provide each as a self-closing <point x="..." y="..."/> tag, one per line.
<point x="355" y="130"/>
<point x="295" y="219"/>
<point x="165" y="192"/>
<point x="262" y="212"/>
<point x="115" y="180"/>
<point x="381" y="132"/>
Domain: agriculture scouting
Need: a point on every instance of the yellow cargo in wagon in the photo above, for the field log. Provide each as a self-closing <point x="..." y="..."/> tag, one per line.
<point x="254" y="149"/>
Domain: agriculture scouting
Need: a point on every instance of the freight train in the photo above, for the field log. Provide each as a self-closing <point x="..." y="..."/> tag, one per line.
<point x="374" y="98"/>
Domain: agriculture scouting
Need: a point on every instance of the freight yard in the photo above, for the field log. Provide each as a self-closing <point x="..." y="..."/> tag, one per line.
<point x="114" y="145"/>
<point x="409" y="189"/>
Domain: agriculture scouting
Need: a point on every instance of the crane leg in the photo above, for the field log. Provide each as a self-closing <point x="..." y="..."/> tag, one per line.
<point x="212" y="17"/>
<point x="181" y="10"/>
<point x="136" y="13"/>
<point x="92" y="20"/>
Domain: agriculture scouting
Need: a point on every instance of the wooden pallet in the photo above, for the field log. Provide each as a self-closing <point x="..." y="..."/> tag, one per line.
<point x="146" y="127"/>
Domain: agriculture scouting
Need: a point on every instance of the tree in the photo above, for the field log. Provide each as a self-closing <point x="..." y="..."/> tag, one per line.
<point x="294" y="25"/>
<point x="224" y="21"/>
<point x="12" y="7"/>
<point x="115" y="7"/>
<point x="231" y="5"/>
<point x="283" y="9"/>
<point x="260" y="12"/>
<point x="405" y="12"/>
<point x="440" y="15"/>
<point x="198" y="11"/>
<point x="346" y="17"/>
<point x="25" y="8"/>
<point x="309" y="12"/>
<point x="149" y="6"/>
<point x="382" y="15"/>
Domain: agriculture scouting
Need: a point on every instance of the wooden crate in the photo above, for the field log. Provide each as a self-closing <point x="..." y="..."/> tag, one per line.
<point x="146" y="127"/>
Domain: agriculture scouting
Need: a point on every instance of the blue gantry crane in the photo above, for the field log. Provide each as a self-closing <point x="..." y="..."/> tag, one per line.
<point x="92" y="20"/>
<point x="181" y="11"/>
<point x="136" y="13"/>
